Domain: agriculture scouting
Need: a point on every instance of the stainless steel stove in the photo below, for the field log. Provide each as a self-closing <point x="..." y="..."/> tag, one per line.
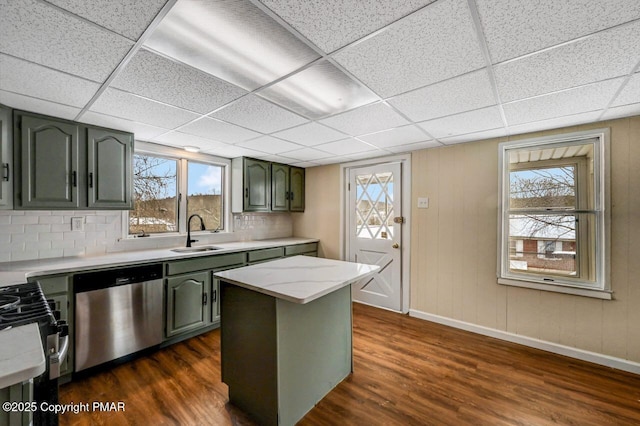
<point x="25" y="304"/>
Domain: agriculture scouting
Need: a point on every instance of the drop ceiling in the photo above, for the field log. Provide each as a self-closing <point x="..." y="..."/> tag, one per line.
<point x="321" y="81"/>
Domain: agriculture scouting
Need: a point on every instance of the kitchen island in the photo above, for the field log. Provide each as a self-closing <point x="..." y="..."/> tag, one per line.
<point x="286" y="334"/>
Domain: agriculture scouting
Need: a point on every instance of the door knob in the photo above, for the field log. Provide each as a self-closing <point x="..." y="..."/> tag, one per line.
<point x="395" y="245"/>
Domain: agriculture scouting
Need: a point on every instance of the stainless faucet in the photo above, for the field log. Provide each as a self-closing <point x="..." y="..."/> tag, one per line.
<point x="202" y="228"/>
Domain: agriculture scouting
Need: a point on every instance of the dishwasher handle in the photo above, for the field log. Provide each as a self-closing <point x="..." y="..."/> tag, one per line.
<point x="97" y="280"/>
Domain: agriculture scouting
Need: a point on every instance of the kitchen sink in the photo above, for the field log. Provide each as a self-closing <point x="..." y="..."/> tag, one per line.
<point x="195" y="249"/>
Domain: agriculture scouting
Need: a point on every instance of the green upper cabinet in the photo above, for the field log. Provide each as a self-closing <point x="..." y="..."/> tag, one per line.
<point x="296" y="191"/>
<point x="69" y="165"/>
<point x="279" y="187"/>
<point x="49" y="162"/>
<point x="6" y="179"/>
<point x="261" y="186"/>
<point x="109" y="156"/>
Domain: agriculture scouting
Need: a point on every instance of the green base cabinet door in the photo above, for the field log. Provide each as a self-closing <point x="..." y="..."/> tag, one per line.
<point x="187" y="302"/>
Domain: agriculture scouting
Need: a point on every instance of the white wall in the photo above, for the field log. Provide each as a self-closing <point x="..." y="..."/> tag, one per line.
<point x="28" y="235"/>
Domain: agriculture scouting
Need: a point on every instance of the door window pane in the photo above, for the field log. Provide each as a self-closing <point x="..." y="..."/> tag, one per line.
<point x="154" y="190"/>
<point x="204" y="195"/>
<point x="374" y="206"/>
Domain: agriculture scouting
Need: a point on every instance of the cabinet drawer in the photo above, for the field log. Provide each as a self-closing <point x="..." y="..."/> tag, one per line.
<point x="206" y="262"/>
<point x="265" y="254"/>
<point x="53" y="285"/>
<point x="300" y="249"/>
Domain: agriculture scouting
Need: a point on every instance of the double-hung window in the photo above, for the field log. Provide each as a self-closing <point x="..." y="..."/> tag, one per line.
<point x="169" y="185"/>
<point x="553" y="223"/>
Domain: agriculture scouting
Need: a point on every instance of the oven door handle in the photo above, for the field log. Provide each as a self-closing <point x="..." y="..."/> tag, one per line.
<point x="58" y="358"/>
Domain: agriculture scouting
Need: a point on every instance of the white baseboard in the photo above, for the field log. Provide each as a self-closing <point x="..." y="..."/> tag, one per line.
<point x="597" y="358"/>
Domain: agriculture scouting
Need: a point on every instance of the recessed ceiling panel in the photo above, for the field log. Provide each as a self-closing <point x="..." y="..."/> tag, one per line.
<point x="29" y="79"/>
<point x="346" y="147"/>
<point x="467" y="122"/>
<point x="605" y="55"/>
<point x="431" y="45"/>
<point x="219" y="130"/>
<point x="319" y="91"/>
<point x="258" y="114"/>
<point x="132" y="107"/>
<point x="459" y="94"/>
<point x="40" y="106"/>
<point x="310" y="134"/>
<point x="42" y="34"/>
<point x="233" y="40"/>
<point x="167" y="81"/>
<point x="581" y="99"/>
<point x="394" y="137"/>
<point x="630" y="92"/>
<point x="514" y="28"/>
<point x="141" y="131"/>
<point x="183" y="139"/>
<point x="367" y="119"/>
<point x="126" y="17"/>
<point x="331" y="24"/>
<point x="269" y="145"/>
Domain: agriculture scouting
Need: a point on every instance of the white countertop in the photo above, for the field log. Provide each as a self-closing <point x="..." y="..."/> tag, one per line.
<point x="298" y="279"/>
<point x="21" y="354"/>
<point x="19" y="272"/>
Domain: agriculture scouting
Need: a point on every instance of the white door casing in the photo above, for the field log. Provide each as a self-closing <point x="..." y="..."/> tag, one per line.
<point x="374" y="231"/>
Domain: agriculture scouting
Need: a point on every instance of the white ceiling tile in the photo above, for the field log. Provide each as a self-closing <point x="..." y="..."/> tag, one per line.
<point x="477" y="136"/>
<point x="305" y="164"/>
<point x="331" y="24"/>
<point x="630" y="92"/>
<point x="269" y="145"/>
<point x="555" y="123"/>
<point x="459" y="94"/>
<point x="307" y="154"/>
<point x="233" y="40"/>
<point x="140" y="130"/>
<point x="42" y="34"/>
<point x="233" y="151"/>
<point x="413" y="147"/>
<point x="208" y="127"/>
<point x="331" y="160"/>
<point x="514" y="28"/>
<point x="431" y="45"/>
<point x="126" y="17"/>
<point x="132" y="107"/>
<point x="167" y="81"/>
<point x="180" y="139"/>
<point x="257" y="114"/>
<point x="622" y="111"/>
<point x="367" y="119"/>
<point x="346" y="147"/>
<point x="581" y="99"/>
<point x="467" y="122"/>
<point x="394" y="137"/>
<point x="40" y="106"/>
<point x="605" y="55"/>
<point x="310" y="134"/>
<point x="29" y="79"/>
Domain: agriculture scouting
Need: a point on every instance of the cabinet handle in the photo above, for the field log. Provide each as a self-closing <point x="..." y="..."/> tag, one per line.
<point x="74" y="178"/>
<point x="90" y="180"/>
<point x="214" y="297"/>
<point x="6" y="175"/>
<point x="246" y="193"/>
<point x="291" y="196"/>
<point x="204" y="299"/>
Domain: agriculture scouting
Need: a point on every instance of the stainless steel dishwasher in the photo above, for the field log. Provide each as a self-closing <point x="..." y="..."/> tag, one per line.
<point x="117" y="312"/>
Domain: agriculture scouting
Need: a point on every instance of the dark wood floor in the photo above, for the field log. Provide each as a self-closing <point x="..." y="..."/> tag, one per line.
<point x="406" y="372"/>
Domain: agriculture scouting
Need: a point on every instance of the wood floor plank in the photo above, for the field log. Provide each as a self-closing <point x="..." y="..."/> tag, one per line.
<point x="406" y="371"/>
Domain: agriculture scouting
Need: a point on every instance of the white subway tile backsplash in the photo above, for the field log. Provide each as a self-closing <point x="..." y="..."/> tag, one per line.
<point x="24" y="255"/>
<point x="63" y="244"/>
<point x="37" y="245"/>
<point x="48" y="254"/>
<point x="21" y="238"/>
<point x="61" y="228"/>
<point x="11" y="229"/>
<point x="24" y="220"/>
<point x="5" y="220"/>
<point x="51" y="219"/>
<point x="37" y="228"/>
<point x="51" y="236"/>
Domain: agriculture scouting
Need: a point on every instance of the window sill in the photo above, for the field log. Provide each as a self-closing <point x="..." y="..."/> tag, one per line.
<point x="576" y="291"/>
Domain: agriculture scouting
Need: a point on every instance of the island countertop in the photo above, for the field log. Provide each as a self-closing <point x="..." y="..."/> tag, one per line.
<point x="298" y="279"/>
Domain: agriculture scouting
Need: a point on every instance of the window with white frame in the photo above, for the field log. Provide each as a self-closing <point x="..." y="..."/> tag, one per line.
<point x="169" y="186"/>
<point x="553" y="213"/>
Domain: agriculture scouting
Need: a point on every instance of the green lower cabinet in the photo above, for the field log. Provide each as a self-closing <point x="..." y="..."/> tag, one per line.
<point x="18" y="393"/>
<point x="188" y="304"/>
<point x="215" y="299"/>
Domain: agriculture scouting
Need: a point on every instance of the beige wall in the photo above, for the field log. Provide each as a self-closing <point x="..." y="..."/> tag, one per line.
<point x="454" y="250"/>
<point x="321" y="217"/>
<point x="454" y="246"/>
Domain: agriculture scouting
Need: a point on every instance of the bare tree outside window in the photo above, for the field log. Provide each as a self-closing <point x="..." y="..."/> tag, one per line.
<point x="154" y="191"/>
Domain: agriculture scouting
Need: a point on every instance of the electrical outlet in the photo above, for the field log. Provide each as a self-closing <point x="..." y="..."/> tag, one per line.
<point x="423" y="203"/>
<point x="77" y="224"/>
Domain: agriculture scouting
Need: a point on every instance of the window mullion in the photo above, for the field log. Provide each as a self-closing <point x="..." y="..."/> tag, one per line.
<point x="182" y="197"/>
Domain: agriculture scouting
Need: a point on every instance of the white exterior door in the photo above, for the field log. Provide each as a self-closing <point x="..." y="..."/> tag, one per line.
<point x="375" y="221"/>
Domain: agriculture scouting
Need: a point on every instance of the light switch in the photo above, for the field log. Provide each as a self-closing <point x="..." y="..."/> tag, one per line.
<point x="423" y="202"/>
<point x="77" y="224"/>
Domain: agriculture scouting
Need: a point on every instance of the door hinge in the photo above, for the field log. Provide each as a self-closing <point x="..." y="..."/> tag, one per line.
<point x="399" y="219"/>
